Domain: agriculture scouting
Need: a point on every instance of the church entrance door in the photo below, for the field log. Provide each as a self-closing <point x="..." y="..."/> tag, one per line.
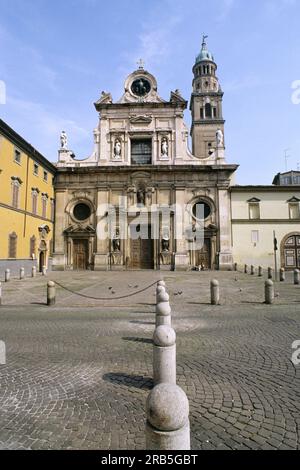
<point x="292" y="252"/>
<point x="142" y="252"/>
<point x="203" y="256"/>
<point x="80" y="254"/>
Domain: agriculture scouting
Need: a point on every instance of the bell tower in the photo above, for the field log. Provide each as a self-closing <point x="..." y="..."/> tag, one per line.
<point x="207" y="129"/>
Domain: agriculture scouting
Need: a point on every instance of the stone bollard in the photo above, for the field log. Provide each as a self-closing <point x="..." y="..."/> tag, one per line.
<point x="0" y="293"/>
<point x="214" y="292"/>
<point x="22" y="273"/>
<point x="168" y="426"/>
<point x="246" y="269"/>
<point x="270" y="273"/>
<point x="252" y="270"/>
<point x="7" y="275"/>
<point x="163" y="310"/>
<point x="269" y="292"/>
<point x="161" y="283"/>
<point x="164" y="355"/>
<point x="235" y="266"/>
<point x="44" y="271"/>
<point x="159" y="289"/>
<point x="33" y="271"/>
<point x="51" y="293"/>
<point x="296" y="277"/>
<point x="260" y="271"/>
<point x="282" y="274"/>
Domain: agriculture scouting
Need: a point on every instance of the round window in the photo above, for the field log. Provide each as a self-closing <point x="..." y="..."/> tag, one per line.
<point x="140" y="87"/>
<point x="201" y="210"/>
<point x="81" y="211"/>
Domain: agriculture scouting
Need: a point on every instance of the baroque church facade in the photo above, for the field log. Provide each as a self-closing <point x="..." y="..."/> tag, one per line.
<point x="142" y="168"/>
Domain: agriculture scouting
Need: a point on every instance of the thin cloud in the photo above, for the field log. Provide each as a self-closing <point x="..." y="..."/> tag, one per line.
<point x="225" y="9"/>
<point x="46" y="126"/>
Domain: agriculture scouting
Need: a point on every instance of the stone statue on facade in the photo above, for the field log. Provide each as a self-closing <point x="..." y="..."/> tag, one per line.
<point x="63" y="140"/>
<point x="164" y="147"/>
<point x="116" y="242"/>
<point x="140" y="196"/>
<point x="165" y="242"/>
<point x="220" y="138"/>
<point x="117" y="149"/>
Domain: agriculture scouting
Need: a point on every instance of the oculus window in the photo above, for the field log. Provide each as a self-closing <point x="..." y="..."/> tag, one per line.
<point x="201" y="209"/>
<point x="81" y="211"/>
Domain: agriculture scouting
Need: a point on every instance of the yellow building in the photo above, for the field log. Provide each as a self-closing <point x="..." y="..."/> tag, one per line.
<point x="26" y="203"/>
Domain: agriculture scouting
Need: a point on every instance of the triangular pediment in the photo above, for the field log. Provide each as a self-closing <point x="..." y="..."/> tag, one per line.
<point x="79" y="229"/>
<point x="141" y="119"/>
<point x="253" y="199"/>
<point x="293" y="199"/>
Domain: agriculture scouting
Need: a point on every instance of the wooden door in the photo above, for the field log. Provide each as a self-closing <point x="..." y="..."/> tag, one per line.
<point x="80" y="254"/>
<point x="142" y="252"/>
<point x="203" y="256"/>
<point x="292" y="252"/>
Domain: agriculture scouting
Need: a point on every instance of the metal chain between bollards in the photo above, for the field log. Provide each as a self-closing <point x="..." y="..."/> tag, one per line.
<point x="105" y="298"/>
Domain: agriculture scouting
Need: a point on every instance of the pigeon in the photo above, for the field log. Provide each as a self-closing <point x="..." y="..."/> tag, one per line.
<point x="113" y="292"/>
<point x="180" y="292"/>
<point x="136" y="287"/>
<point x="110" y="288"/>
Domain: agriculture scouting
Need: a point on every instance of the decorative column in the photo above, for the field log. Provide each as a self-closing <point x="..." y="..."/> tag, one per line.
<point x="102" y="243"/>
<point x="225" y="250"/>
<point x="59" y="261"/>
<point x="181" y="251"/>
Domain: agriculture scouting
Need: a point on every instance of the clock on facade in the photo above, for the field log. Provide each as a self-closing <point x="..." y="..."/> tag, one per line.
<point x="140" y="87"/>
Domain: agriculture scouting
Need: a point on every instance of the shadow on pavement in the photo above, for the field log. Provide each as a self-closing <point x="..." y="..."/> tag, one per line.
<point x="136" y="381"/>
<point x="138" y="340"/>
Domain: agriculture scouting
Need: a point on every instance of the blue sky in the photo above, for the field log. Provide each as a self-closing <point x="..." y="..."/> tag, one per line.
<point x="56" y="58"/>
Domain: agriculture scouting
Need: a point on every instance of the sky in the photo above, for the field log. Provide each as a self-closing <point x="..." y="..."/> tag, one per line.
<point x="56" y="58"/>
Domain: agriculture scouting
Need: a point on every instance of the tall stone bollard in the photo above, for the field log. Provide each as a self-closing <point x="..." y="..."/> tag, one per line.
<point x="252" y="270"/>
<point x="168" y="426"/>
<point x="159" y="289"/>
<point x="296" y="277"/>
<point x="33" y="271"/>
<point x="44" y="271"/>
<point x="22" y="273"/>
<point x="282" y="274"/>
<point x="246" y="269"/>
<point x="214" y="292"/>
<point x="164" y="355"/>
<point x="7" y="275"/>
<point x="260" y="271"/>
<point x="0" y="293"/>
<point x="270" y="273"/>
<point x="269" y="292"/>
<point x="235" y="266"/>
<point x="163" y="310"/>
<point x="51" y="293"/>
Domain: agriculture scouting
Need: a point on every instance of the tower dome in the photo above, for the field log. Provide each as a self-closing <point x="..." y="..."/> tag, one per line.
<point x="205" y="54"/>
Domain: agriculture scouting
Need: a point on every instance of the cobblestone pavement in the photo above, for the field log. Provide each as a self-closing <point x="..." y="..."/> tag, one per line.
<point x="78" y="374"/>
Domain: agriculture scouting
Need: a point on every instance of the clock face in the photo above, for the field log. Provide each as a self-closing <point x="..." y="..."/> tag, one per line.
<point x="140" y="87"/>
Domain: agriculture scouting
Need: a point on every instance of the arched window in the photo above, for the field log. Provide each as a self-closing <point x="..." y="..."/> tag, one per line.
<point x="208" y="111"/>
<point x="44" y="205"/>
<point x="32" y="248"/>
<point x="16" y="183"/>
<point x="34" y="197"/>
<point x="12" y="245"/>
